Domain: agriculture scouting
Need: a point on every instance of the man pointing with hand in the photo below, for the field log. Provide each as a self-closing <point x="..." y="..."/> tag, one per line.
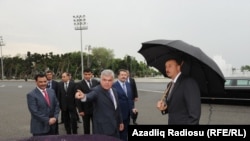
<point x="107" y="119"/>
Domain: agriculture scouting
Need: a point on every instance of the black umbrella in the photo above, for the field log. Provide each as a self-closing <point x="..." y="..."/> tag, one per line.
<point x="196" y="63"/>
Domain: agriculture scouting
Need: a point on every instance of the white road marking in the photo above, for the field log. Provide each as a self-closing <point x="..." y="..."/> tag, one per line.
<point x="150" y="91"/>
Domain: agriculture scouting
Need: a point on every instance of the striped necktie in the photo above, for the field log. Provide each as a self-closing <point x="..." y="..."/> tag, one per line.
<point x="46" y="96"/>
<point x="65" y="86"/>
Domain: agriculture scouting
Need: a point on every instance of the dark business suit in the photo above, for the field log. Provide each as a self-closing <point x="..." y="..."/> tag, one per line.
<point x="68" y="106"/>
<point x="86" y="107"/>
<point x="132" y="83"/>
<point x="106" y="118"/>
<point x="54" y="86"/>
<point x="126" y="102"/>
<point x="184" y="103"/>
<point x="41" y="112"/>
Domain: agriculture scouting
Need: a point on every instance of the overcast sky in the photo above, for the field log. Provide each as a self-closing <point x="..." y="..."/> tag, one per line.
<point x="221" y="28"/>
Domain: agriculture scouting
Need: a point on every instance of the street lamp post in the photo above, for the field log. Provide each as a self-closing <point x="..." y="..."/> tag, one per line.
<point x="1" y="44"/>
<point x="88" y="48"/>
<point x="80" y="24"/>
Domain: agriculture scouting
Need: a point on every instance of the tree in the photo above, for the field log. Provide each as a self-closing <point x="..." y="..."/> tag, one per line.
<point x="245" y="68"/>
<point x="103" y="57"/>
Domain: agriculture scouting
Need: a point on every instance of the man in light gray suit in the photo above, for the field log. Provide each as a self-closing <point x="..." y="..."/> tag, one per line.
<point x="182" y="101"/>
<point x="44" y="108"/>
<point x="107" y="119"/>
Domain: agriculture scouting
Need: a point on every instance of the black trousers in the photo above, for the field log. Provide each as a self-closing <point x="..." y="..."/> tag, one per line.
<point x="56" y="128"/>
<point x="87" y="121"/>
<point x="70" y="121"/>
<point x="124" y="133"/>
<point x="62" y="120"/>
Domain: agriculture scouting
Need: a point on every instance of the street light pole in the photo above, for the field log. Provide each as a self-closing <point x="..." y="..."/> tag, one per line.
<point x="88" y="48"/>
<point x="1" y="44"/>
<point x="80" y="24"/>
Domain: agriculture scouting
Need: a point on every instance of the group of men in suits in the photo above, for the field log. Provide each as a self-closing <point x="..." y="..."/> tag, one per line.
<point x="111" y="102"/>
<point x="65" y="92"/>
<point x="71" y="108"/>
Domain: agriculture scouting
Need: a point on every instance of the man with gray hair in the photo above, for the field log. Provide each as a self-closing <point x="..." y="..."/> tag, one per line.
<point x="107" y="119"/>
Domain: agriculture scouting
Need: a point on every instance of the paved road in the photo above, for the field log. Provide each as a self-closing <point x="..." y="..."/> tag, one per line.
<point x="15" y="116"/>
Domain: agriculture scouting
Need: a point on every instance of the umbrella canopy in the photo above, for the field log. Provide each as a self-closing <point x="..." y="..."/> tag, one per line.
<point x="196" y="63"/>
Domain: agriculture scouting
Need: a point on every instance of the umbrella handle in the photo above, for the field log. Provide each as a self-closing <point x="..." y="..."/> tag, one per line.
<point x="165" y="94"/>
<point x="162" y="104"/>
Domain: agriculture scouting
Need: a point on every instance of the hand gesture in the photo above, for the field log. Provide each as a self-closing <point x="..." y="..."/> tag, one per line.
<point x="79" y="94"/>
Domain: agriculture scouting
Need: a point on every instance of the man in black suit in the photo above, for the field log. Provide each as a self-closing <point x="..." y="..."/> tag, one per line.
<point x="86" y="108"/>
<point x="68" y="104"/>
<point x="182" y="100"/>
<point x="107" y="118"/>
<point x="131" y="81"/>
<point x="77" y="116"/>
<point x="52" y="84"/>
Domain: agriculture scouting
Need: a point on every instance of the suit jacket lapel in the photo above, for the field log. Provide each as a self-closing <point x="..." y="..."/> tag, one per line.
<point x="40" y="95"/>
<point x="108" y="97"/>
<point x="120" y="88"/>
<point x="129" y="90"/>
<point x="84" y="85"/>
<point x="50" y="98"/>
<point x="175" y="87"/>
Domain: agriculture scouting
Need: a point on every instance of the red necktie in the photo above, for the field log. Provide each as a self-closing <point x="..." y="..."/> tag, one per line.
<point x="46" y="96"/>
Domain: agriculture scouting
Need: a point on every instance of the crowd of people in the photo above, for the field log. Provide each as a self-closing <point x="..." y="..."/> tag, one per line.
<point x="105" y="106"/>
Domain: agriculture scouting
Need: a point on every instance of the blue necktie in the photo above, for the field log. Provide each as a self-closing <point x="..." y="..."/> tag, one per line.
<point x="124" y="88"/>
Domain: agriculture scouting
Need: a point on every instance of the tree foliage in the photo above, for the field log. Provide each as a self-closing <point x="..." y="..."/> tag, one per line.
<point x="101" y="58"/>
<point x="245" y="68"/>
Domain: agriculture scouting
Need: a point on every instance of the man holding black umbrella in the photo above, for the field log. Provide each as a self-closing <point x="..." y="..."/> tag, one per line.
<point x="182" y="98"/>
